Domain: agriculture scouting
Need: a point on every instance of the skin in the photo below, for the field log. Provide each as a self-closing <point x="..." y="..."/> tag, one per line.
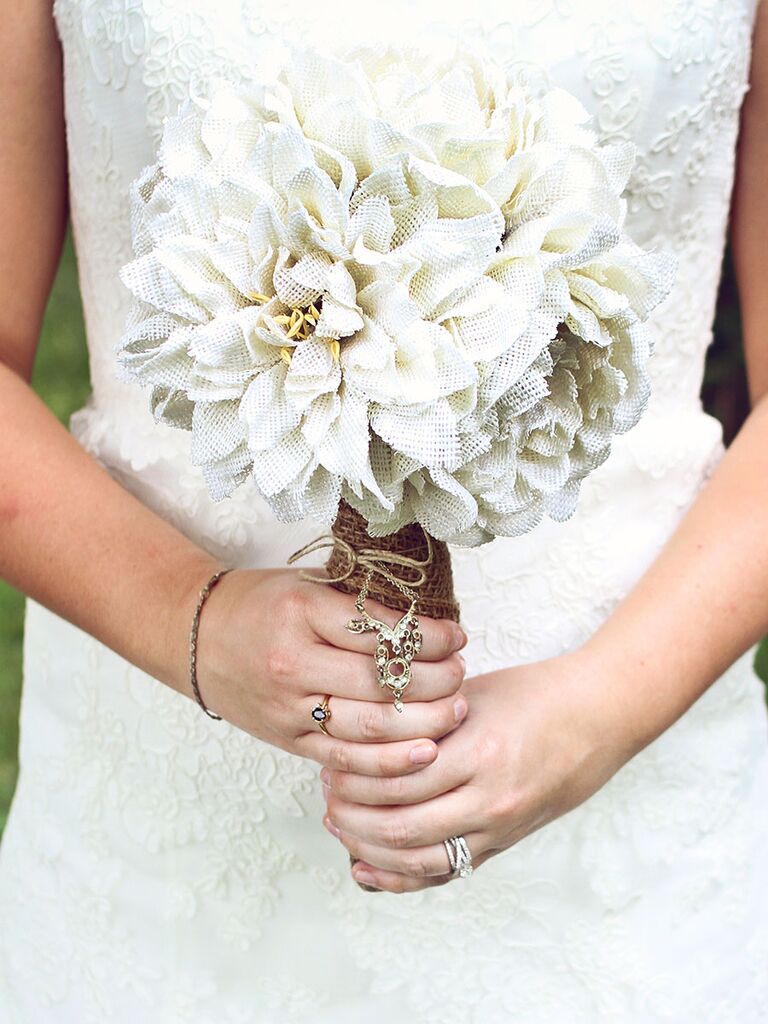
<point x="539" y="739"/>
<point x="74" y="540"/>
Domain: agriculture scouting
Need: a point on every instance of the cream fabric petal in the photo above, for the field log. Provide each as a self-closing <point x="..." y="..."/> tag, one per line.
<point x="370" y="349"/>
<point x="339" y="169"/>
<point x="149" y="279"/>
<point x="182" y="151"/>
<point x="223" y="475"/>
<point x="318" y="417"/>
<point x="221" y="343"/>
<point x="345" y="448"/>
<point x="216" y="430"/>
<point x="371" y="230"/>
<point x="340" y="315"/>
<point x="313" y="371"/>
<point x="427" y="432"/>
<point x="446" y="237"/>
<point x="274" y="470"/>
<point x="265" y="410"/>
<point x="154" y="351"/>
<point x="300" y="283"/>
<point x="232" y="259"/>
<point x="445" y="506"/>
<point x="188" y="261"/>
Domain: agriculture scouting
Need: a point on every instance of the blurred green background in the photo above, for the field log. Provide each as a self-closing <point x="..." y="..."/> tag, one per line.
<point x="61" y="378"/>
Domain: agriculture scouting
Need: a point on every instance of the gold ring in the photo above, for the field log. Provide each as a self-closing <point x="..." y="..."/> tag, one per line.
<point x="321" y="713"/>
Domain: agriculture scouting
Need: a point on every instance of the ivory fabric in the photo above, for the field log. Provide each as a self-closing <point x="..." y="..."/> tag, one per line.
<point x="158" y="865"/>
<point x="392" y="279"/>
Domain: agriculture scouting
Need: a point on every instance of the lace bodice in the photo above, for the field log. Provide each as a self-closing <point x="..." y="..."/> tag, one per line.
<point x="158" y="865"/>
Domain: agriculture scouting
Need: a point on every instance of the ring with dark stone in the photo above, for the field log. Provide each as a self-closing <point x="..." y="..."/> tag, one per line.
<point x="321" y="713"/>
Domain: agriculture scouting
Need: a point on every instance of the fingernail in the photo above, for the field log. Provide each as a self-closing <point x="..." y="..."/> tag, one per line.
<point x="422" y="754"/>
<point x="459" y="708"/>
<point x="331" y="827"/>
<point x="461" y="638"/>
<point x="326" y="790"/>
<point x="365" y="877"/>
<point x="325" y="776"/>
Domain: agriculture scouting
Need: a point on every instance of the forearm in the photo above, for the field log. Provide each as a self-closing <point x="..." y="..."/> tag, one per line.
<point x="702" y="603"/>
<point x="76" y="541"/>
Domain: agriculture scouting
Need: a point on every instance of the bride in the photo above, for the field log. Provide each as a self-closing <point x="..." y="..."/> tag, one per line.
<point x="594" y="729"/>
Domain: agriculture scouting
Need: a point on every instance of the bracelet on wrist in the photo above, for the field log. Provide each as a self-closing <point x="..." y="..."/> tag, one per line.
<point x="204" y="592"/>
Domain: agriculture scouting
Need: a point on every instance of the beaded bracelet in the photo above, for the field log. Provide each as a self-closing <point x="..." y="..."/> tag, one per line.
<point x="193" y="638"/>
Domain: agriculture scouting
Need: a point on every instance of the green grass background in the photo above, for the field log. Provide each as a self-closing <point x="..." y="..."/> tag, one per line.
<point x="61" y="378"/>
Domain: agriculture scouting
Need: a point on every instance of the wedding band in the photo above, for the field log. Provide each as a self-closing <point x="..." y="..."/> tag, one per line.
<point x="459" y="857"/>
<point x="321" y="713"/>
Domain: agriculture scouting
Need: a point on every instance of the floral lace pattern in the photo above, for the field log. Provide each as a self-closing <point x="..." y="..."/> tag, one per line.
<point x="158" y="865"/>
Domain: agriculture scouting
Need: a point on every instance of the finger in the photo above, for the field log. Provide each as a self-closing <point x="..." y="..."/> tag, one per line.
<point x="392" y="881"/>
<point x="413" y="825"/>
<point x="368" y="722"/>
<point x="417" y="862"/>
<point x="331" y="610"/>
<point x="441" y="776"/>
<point x="383" y="759"/>
<point x="352" y="675"/>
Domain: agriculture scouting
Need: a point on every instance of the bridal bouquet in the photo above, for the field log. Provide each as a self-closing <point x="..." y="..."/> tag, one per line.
<point x="398" y="295"/>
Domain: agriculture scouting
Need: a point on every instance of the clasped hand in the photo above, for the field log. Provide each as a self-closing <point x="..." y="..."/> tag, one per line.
<point x="492" y="758"/>
<point x="532" y="746"/>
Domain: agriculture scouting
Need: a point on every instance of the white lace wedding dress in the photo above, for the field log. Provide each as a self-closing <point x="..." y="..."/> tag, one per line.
<point x="160" y="866"/>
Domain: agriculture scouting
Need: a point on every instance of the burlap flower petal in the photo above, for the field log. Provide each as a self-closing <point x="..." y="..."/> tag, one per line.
<point x="398" y="278"/>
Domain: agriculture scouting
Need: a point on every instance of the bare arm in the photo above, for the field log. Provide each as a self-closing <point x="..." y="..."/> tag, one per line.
<point x="73" y="539"/>
<point x="125" y="575"/>
<point x="704" y="601"/>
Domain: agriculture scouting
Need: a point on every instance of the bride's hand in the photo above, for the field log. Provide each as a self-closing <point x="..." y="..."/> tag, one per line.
<point x="271" y="646"/>
<point x="537" y="741"/>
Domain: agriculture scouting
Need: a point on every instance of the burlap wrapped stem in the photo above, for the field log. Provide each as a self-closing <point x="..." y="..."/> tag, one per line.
<point x="436" y="594"/>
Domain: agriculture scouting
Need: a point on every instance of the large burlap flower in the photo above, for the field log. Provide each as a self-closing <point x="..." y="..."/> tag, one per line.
<point x="399" y="282"/>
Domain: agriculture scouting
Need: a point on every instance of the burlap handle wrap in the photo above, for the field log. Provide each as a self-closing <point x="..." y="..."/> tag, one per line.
<point x="436" y="593"/>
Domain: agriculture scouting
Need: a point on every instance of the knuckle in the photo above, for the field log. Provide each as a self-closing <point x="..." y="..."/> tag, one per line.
<point x="507" y="807"/>
<point x="351" y="844"/>
<point x="415" y="865"/>
<point x="488" y="749"/>
<point x="332" y="806"/>
<point x="446" y="637"/>
<point x="387" y="764"/>
<point x="295" y="601"/>
<point x="339" y="757"/>
<point x="370" y="723"/>
<point x="392" y="788"/>
<point x="439" y="723"/>
<point x="293" y="607"/>
<point x="455" y="671"/>
<point x="444" y="720"/>
<point x="337" y="783"/>
<point x="280" y="662"/>
<point x="398" y="884"/>
<point x="397" y="834"/>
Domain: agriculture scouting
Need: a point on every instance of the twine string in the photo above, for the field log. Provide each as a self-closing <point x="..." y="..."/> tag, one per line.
<point x="370" y="559"/>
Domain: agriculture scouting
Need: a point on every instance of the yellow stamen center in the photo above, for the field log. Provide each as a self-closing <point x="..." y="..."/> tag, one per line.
<point x="299" y="325"/>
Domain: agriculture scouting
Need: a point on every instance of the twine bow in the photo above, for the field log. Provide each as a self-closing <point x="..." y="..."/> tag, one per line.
<point x="369" y="559"/>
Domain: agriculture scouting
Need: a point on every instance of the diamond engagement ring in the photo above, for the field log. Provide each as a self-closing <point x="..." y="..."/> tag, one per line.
<point x="459" y="856"/>
<point x="321" y="713"/>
